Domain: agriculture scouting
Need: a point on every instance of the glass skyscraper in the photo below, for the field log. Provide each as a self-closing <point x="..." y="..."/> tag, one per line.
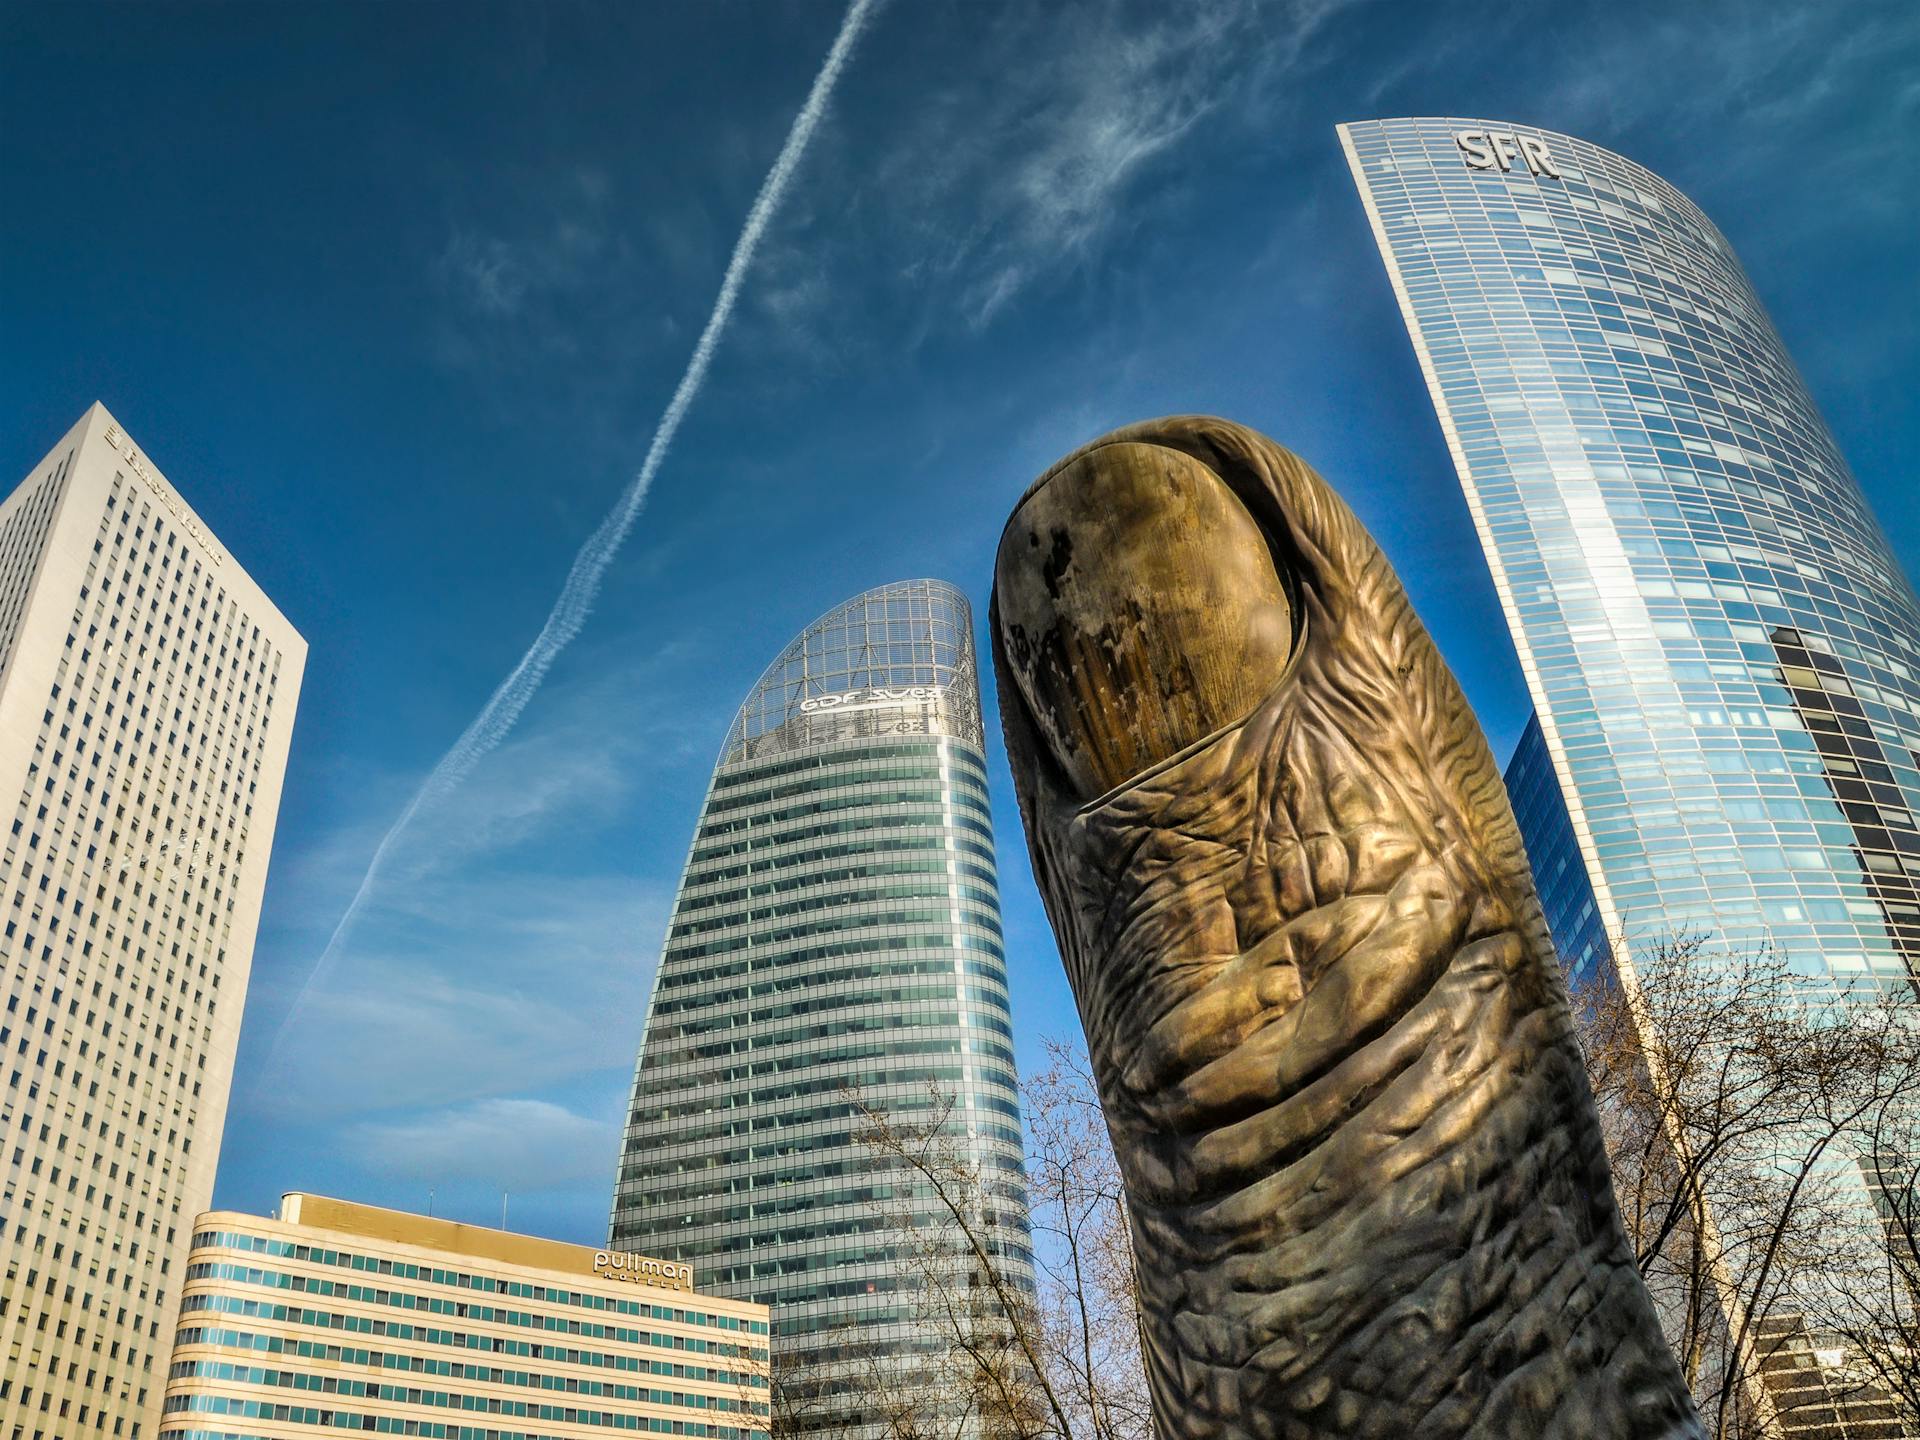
<point x="1722" y="652"/>
<point x="1566" y="894"/>
<point x="836" y="939"/>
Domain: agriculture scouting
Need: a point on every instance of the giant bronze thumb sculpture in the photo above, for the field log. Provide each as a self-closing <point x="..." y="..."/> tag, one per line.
<point x="1367" y="1186"/>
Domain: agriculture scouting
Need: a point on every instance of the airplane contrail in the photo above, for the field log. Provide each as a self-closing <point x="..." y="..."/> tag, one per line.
<point x="496" y="718"/>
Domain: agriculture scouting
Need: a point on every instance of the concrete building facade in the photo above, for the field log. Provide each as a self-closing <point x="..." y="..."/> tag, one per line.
<point x="147" y="695"/>
<point x="338" y="1316"/>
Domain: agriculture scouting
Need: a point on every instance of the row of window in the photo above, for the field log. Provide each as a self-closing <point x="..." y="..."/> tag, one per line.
<point x="732" y="777"/>
<point x="859" y="1205"/>
<point x="819" y="1174"/>
<point x="842" y="1003"/>
<point x="849" y="1024"/>
<point x="331" y="1419"/>
<point x="873" y="825"/>
<point x="431" y="1304"/>
<point x="795" y="1147"/>
<point x="889" y="838"/>
<point x="463" y="1370"/>
<point x="466" y="1339"/>
<point x="660" y="1075"/>
<point x="459" y="1279"/>
<point x="898" y="965"/>
<point x="234" y="1373"/>
<point x="800" y="876"/>
<point x="833" y="779"/>
<point x="988" y="920"/>
<point x="858" y="798"/>
<point x="388" y="1426"/>
<point x="679" y="977"/>
<point x="761" y="1123"/>
<point x="928" y="889"/>
<point x="919" y="1078"/>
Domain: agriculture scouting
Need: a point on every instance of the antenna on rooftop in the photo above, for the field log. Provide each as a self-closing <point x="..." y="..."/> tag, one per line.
<point x="503" y="1209"/>
<point x="429" y="1202"/>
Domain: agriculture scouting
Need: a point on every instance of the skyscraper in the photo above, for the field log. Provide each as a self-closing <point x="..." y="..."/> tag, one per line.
<point x="147" y="691"/>
<point x="1560" y="875"/>
<point x="1722" y="651"/>
<point x="836" y="939"/>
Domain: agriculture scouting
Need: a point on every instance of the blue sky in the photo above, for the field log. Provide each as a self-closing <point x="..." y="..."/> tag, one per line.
<point x="396" y="294"/>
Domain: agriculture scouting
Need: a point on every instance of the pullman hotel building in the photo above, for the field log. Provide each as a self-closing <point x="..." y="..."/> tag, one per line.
<point x="836" y="939"/>
<point x="338" y="1316"/>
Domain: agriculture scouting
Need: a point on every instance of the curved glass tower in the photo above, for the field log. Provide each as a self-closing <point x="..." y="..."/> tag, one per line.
<point x="1723" y="653"/>
<point x="836" y="939"/>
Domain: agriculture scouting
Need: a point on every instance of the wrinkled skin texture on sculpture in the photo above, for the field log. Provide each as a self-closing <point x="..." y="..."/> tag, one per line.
<point x="1366" y="1180"/>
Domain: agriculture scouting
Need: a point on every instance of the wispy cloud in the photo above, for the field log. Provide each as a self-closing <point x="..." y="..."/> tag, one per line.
<point x="581" y="587"/>
<point x="492" y="978"/>
<point x="520" y="288"/>
<point x="1100" y="105"/>
<point x="980" y="189"/>
<point x="546" y="1008"/>
<point x="512" y="943"/>
<point x="1066" y="152"/>
<point x="485" y="272"/>
<point x="526" y="1146"/>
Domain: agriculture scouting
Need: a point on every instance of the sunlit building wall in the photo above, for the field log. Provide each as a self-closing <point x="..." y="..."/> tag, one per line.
<point x="835" y="944"/>
<point x="1722" y="651"/>
<point x="147" y="693"/>
<point x="333" y="1316"/>
<point x="1675" y="538"/>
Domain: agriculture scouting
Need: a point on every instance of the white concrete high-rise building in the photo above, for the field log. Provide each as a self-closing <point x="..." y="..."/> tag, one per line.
<point x="147" y="691"/>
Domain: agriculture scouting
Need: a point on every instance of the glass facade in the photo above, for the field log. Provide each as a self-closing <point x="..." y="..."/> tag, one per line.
<point x="836" y="939"/>
<point x="1553" y="851"/>
<point x="1723" y="653"/>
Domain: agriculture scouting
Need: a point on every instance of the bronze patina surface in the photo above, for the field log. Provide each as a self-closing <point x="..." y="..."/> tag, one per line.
<point x="1367" y="1183"/>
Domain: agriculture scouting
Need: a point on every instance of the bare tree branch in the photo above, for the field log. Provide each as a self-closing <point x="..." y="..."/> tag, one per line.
<point x="1734" y="1096"/>
<point x="1062" y="1363"/>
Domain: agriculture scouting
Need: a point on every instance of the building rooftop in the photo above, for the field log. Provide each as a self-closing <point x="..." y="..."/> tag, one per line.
<point x="475" y="1242"/>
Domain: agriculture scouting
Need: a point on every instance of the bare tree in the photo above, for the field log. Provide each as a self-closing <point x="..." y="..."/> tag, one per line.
<point x="1732" y="1093"/>
<point x="1874" y="1312"/>
<point x="886" y="1388"/>
<point x="1056" y="1361"/>
<point x="985" y="1373"/>
<point x="1089" y="1291"/>
<point x="1750" y="1115"/>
